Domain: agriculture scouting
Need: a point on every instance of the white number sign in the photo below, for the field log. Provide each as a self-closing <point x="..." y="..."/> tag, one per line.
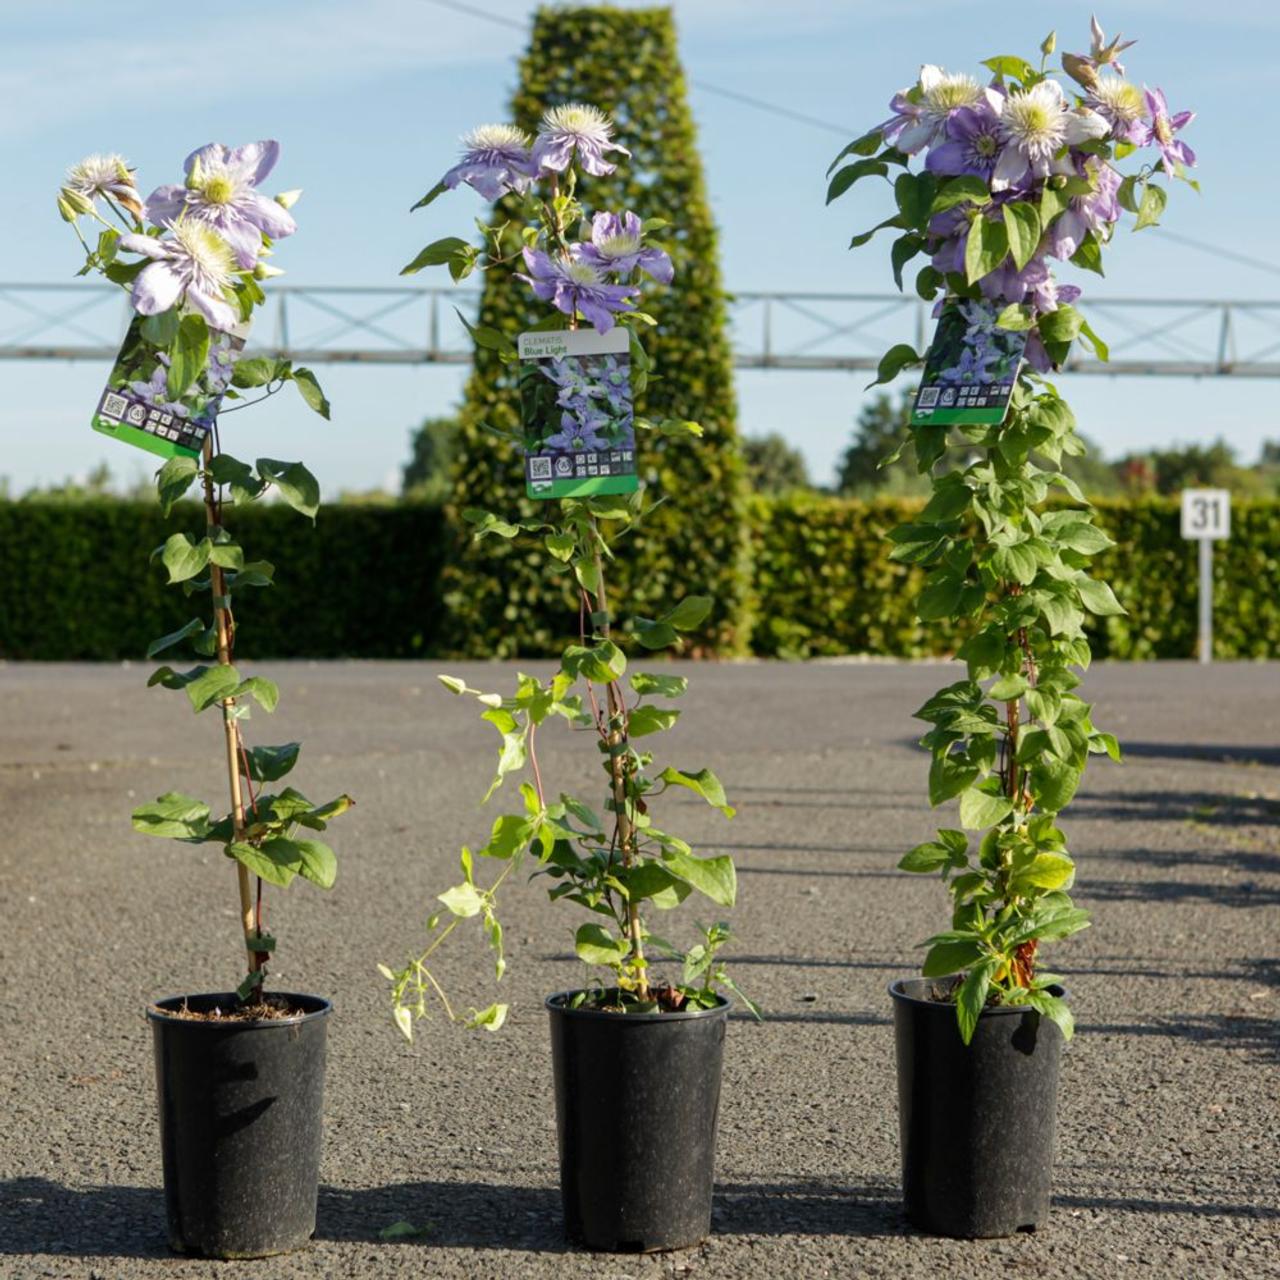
<point x="1206" y="513"/>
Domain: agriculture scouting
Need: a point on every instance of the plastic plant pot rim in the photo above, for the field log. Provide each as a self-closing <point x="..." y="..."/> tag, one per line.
<point x="156" y="1011"/>
<point x="556" y="1004"/>
<point x="989" y="1011"/>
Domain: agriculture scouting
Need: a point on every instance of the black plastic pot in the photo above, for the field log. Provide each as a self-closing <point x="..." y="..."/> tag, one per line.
<point x="637" y="1100"/>
<point x="976" y="1120"/>
<point x="240" y="1126"/>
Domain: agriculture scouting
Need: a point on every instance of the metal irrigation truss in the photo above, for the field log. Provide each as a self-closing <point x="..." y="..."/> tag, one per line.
<point x="402" y="324"/>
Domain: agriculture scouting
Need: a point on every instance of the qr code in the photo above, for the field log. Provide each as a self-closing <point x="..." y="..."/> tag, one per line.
<point x="114" y="406"/>
<point x="539" y="468"/>
<point x="928" y="398"/>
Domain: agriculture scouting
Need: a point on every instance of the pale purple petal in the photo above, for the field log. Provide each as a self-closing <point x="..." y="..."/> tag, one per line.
<point x="215" y="310"/>
<point x="211" y="153"/>
<point x="272" y="218"/>
<point x="149" y="246"/>
<point x="255" y="159"/>
<point x="1011" y="168"/>
<point x="157" y="288"/>
<point x="165" y="203"/>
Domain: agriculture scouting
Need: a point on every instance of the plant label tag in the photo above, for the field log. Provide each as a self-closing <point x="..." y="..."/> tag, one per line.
<point x="971" y="367"/>
<point x="576" y="413"/>
<point x="1206" y="513"/>
<point x="135" y="406"/>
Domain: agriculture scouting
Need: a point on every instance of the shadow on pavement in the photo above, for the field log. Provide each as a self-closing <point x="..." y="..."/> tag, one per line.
<point x="473" y="1215"/>
<point x="1214" y="752"/>
<point x="44" y="1217"/>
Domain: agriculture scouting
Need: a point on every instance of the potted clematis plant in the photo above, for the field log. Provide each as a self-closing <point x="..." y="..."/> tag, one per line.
<point x="1017" y="173"/>
<point x="240" y="1073"/>
<point x="636" y="1056"/>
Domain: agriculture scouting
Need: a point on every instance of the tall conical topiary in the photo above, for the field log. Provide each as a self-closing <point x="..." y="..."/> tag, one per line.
<point x="626" y="63"/>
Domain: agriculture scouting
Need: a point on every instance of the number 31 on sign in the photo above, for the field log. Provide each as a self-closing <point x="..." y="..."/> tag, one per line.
<point x="1206" y="513"/>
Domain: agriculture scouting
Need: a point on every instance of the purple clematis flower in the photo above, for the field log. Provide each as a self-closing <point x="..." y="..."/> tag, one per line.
<point x="1160" y="131"/>
<point x="973" y="144"/>
<point x="1094" y="212"/>
<point x="575" y="127"/>
<point x="572" y="285"/>
<point x="616" y="246"/>
<point x="495" y="160"/>
<point x="109" y="176"/>
<point x="221" y="191"/>
<point x="574" y="435"/>
<point x="1035" y="125"/>
<point x="196" y="266"/>
<point x="1120" y="104"/>
<point x="922" y="112"/>
<point x="1102" y="53"/>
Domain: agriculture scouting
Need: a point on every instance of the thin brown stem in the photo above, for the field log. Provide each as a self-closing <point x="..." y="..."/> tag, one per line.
<point x="624" y="830"/>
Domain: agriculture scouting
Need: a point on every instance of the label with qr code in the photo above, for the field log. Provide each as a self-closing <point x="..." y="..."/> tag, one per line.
<point x="971" y="368"/>
<point x="576" y="411"/>
<point x="136" y="408"/>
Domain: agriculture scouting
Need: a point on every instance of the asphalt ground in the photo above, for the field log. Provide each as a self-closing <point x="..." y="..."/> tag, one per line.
<point x="1169" y="1123"/>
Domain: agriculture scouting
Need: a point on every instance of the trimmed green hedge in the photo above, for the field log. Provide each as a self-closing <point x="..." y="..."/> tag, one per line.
<point x="361" y="581"/>
<point x="825" y="585"/>
<point x="365" y="582"/>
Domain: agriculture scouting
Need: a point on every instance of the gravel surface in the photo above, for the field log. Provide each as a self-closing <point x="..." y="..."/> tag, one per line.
<point x="1170" y="1107"/>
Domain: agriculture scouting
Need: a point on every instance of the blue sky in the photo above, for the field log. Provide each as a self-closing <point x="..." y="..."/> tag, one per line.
<point x="368" y="98"/>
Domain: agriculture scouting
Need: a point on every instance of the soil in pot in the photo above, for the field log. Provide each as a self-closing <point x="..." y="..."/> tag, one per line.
<point x="637" y="1105"/>
<point x="976" y="1121"/>
<point x="240" y="1122"/>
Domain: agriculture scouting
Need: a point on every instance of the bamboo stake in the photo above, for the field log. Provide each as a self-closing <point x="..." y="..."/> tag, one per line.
<point x="230" y="725"/>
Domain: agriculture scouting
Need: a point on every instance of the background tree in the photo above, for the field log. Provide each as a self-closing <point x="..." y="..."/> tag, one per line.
<point x="882" y="425"/>
<point x="427" y="476"/>
<point x="773" y="466"/>
<point x="627" y="64"/>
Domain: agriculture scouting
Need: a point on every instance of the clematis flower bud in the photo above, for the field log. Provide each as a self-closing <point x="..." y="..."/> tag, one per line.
<point x="287" y="199"/>
<point x="264" y="271"/>
<point x="1049" y="43"/>
<point x="71" y="204"/>
<point x="1080" y="69"/>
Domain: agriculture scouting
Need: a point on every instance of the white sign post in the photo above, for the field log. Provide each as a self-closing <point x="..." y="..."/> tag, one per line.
<point x="1206" y="515"/>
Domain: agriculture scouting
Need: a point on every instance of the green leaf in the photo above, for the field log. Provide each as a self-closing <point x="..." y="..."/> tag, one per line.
<point x="436" y="253"/>
<point x="1060" y="325"/>
<point x="941" y="596"/>
<point x="1150" y="210"/>
<point x="316" y="862"/>
<point x="1007" y="688"/>
<point x="173" y="815"/>
<point x="192" y="628"/>
<point x="463" y="900"/>
<point x="980" y="809"/>
<point x="276" y="861"/>
<point x="1098" y="598"/>
<point x="319" y="818"/>
<point x="159" y="330"/>
<point x="1022" y="230"/>
<point x="859" y="240"/>
<point x="438" y="190"/>
<point x="1089" y="255"/>
<point x="1010" y="66"/>
<point x="491" y="1019"/>
<point x="174" y="479"/>
<point x="188" y="354"/>
<point x="651" y="880"/>
<point x="1015" y="564"/>
<point x="914" y="193"/>
<point x="950" y="957"/>
<point x="184" y="558"/>
<point x="603" y="663"/>
<point x="690" y="613"/>
<point x="256" y="371"/>
<point x="703" y="783"/>
<point x="1046" y="871"/>
<point x="893" y="362"/>
<point x="1126" y="193"/>
<point x="296" y="485"/>
<point x="561" y="545"/>
<point x="713" y="877"/>
<point x="647" y="719"/>
<point x="309" y="389"/>
<point x="986" y="248"/>
<point x="866" y="145"/>
<point x="227" y="555"/>
<point x="851" y="173"/>
<point x="265" y="692"/>
<point x="966" y="188"/>
<point x="904" y="249"/>
<point x="269" y="764"/>
<point x="1106" y="742"/>
<point x="663" y="686"/>
<point x="594" y="944"/>
<point x="972" y="997"/>
<point x="1054" y="783"/>
<point x="1056" y="1010"/>
<point x="212" y="685"/>
<point x="245" y="486"/>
